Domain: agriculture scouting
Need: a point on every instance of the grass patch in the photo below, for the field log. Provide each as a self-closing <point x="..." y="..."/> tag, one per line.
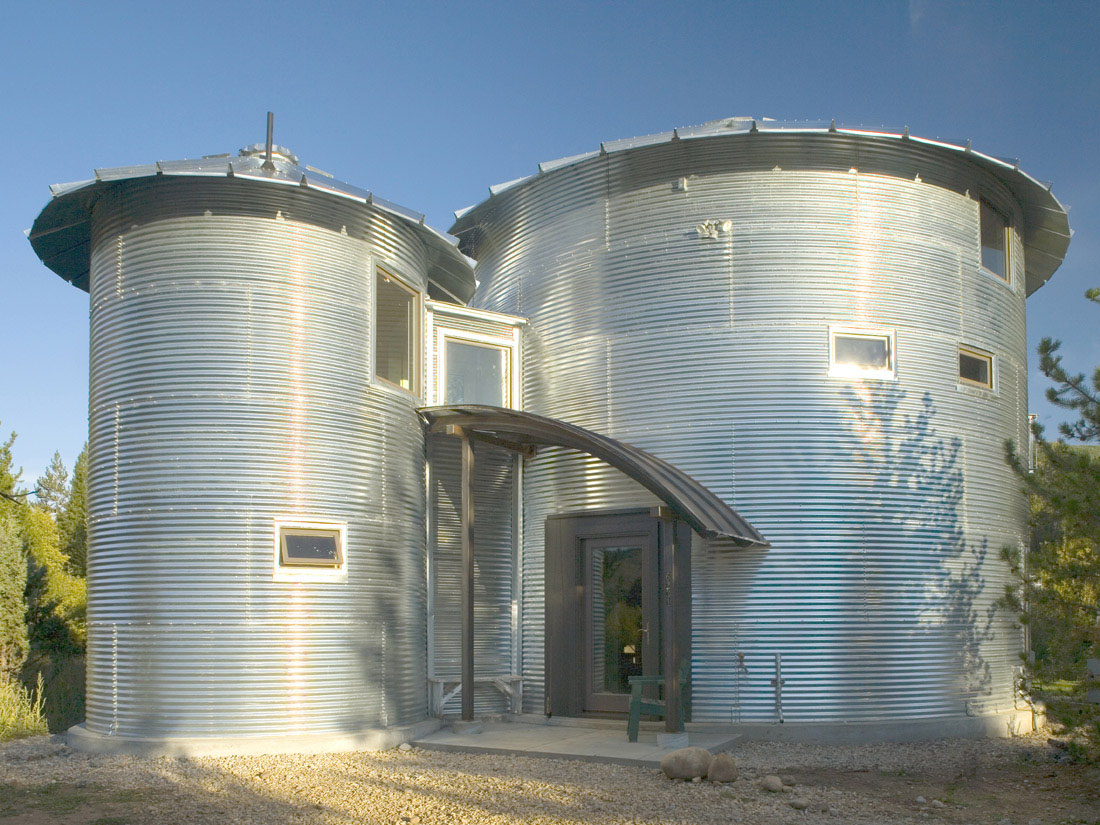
<point x="21" y="710"/>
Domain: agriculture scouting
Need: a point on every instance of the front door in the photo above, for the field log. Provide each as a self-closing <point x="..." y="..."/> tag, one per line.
<point x="621" y="617"/>
<point x="613" y="581"/>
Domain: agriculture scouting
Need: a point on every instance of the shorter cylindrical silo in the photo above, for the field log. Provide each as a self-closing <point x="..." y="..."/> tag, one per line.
<point x="256" y="493"/>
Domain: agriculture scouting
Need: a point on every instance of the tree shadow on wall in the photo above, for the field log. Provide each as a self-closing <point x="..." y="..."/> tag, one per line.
<point x="918" y="578"/>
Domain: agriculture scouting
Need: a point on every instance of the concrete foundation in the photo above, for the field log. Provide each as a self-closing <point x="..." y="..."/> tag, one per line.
<point x="81" y="739"/>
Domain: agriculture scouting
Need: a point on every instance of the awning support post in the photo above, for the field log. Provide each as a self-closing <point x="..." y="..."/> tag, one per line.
<point x="467" y="577"/>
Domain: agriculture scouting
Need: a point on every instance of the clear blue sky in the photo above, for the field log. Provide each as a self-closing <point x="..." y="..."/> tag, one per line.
<point x="429" y="104"/>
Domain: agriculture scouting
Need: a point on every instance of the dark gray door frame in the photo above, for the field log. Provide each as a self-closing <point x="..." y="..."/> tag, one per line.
<point x="565" y="597"/>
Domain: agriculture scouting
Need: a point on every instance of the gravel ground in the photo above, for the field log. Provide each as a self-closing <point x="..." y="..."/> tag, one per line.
<point x="42" y="781"/>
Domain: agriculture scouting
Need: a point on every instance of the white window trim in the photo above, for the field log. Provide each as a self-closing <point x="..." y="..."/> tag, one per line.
<point x="850" y="372"/>
<point x="509" y="344"/>
<point x="976" y="352"/>
<point x="417" y="390"/>
<point x="282" y="573"/>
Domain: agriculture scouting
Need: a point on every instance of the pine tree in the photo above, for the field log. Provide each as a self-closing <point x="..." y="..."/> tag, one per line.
<point x="1058" y="591"/>
<point x="52" y="487"/>
<point x="13" y="571"/>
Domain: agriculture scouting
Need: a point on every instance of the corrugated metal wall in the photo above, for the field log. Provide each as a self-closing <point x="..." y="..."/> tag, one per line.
<point x="495" y="538"/>
<point x="887" y="502"/>
<point x="230" y="385"/>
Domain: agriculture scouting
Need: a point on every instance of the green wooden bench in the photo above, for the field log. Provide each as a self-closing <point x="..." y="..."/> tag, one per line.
<point x="651" y="707"/>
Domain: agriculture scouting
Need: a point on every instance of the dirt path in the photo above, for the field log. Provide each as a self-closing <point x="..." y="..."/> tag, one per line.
<point x="44" y="783"/>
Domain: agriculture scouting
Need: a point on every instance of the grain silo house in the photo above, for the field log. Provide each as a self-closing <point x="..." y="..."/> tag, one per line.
<point x="725" y="405"/>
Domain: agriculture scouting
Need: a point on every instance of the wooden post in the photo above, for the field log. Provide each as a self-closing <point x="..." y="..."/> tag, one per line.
<point x="467" y="577"/>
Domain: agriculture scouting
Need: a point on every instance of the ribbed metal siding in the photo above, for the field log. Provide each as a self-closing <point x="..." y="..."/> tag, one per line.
<point x="886" y="502"/>
<point x="496" y="537"/>
<point x="494" y="566"/>
<point x="230" y="385"/>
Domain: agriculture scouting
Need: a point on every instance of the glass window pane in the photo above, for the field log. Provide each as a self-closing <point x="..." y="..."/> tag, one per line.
<point x="616" y="617"/>
<point x="976" y="368"/>
<point x="862" y="352"/>
<point x="993" y="241"/>
<point x="476" y="374"/>
<point x="395" y="332"/>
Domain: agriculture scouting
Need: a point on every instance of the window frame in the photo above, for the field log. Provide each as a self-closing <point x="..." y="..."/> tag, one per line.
<point x="510" y="345"/>
<point x="1006" y="241"/>
<point x="889" y="373"/>
<point x="417" y="334"/>
<point x="308" y="572"/>
<point x="981" y="354"/>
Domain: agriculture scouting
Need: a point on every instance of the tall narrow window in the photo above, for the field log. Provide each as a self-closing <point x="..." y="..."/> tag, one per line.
<point x="994" y="241"/>
<point x="975" y="368"/>
<point x="396" y="332"/>
<point x="476" y="373"/>
<point x="861" y="354"/>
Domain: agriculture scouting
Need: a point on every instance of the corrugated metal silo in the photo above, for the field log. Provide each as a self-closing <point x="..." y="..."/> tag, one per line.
<point x="683" y="291"/>
<point x="231" y="386"/>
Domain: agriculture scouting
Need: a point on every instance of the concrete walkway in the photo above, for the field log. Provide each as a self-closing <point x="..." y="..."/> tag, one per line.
<point x="589" y="744"/>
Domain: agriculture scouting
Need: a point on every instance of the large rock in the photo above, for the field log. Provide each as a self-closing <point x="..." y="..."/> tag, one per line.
<point x="723" y="768"/>
<point x="772" y="783"/>
<point x="686" y="763"/>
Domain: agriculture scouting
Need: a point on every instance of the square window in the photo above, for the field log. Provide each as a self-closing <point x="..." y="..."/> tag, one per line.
<point x="861" y="353"/>
<point x="994" y="230"/>
<point x="475" y="373"/>
<point x="975" y="368"/>
<point x="396" y="332"/>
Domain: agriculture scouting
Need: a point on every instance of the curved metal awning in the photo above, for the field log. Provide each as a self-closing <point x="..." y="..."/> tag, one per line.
<point x="707" y="514"/>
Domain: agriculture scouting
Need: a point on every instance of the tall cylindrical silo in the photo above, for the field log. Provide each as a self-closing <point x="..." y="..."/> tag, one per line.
<point x="687" y="292"/>
<point x="233" y="331"/>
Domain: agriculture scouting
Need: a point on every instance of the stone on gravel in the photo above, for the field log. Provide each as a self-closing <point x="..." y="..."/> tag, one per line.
<point x="723" y="768"/>
<point x="799" y="804"/>
<point x="936" y="803"/>
<point x="921" y="800"/>
<point x="772" y="783"/>
<point x="404" y="746"/>
<point x="787" y="780"/>
<point x="686" y="763"/>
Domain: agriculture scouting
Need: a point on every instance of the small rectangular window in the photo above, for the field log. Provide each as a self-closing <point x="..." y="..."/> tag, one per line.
<point x="476" y="373"/>
<point x="310" y="550"/>
<point x="396" y="332"/>
<point x="994" y="229"/>
<point x="861" y="354"/>
<point x="975" y="368"/>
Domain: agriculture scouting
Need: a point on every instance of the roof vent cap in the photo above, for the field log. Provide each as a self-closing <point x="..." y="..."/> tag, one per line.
<point x="259" y="150"/>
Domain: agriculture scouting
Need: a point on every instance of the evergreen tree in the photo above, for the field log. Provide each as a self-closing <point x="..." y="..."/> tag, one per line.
<point x="52" y="488"/>
<point x="1058" y="595"/>
<point x="73" y="519"/>
<point x="13" y="571"/>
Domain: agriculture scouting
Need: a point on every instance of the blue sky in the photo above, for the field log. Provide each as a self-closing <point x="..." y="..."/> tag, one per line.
<point x="428" y="104"/>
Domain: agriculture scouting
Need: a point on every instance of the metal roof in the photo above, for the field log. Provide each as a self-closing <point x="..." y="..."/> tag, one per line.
<point x="61" y="234"/>
<point x="707" y="514"/>
<point x="1045" y="234"/>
